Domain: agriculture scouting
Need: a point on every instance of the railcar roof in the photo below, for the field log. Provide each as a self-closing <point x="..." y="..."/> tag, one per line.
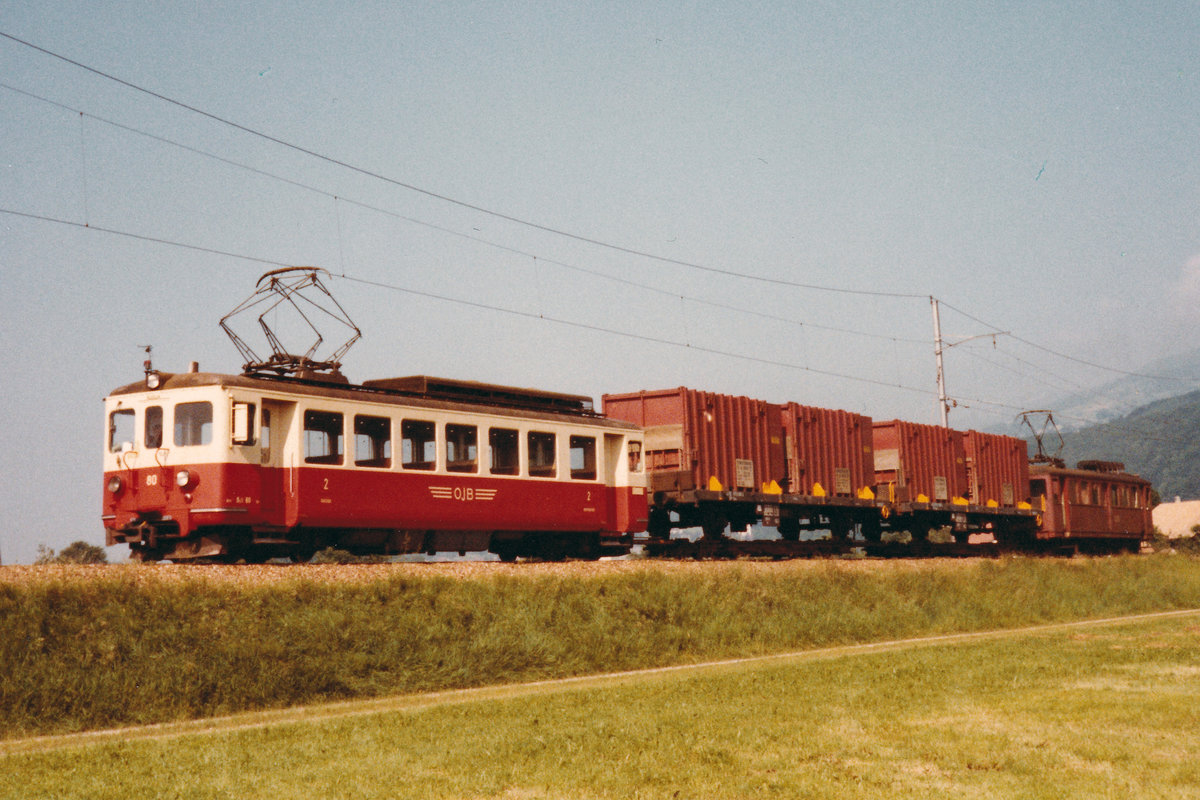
<point x="419" y="390"/>
<point x="1088" y="474"/>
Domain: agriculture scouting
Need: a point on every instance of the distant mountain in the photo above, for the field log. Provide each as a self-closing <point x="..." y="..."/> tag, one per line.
<point x="1159" y="441"/>
<point x="1124" y="395"/>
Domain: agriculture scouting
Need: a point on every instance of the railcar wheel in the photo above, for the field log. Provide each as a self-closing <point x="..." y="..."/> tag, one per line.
<point x="507" y="550"/>
<point x="145" y="555"/>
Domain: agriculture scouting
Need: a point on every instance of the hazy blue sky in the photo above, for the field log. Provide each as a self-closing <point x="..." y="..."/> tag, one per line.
<point x="1035" y="166"/>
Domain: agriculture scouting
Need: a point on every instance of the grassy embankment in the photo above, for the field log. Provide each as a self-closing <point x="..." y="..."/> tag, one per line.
<point x="1100" y="710"/>
<point x="85" y="648"/>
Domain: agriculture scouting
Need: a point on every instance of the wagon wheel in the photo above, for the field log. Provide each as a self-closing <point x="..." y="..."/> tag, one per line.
<point x="789" y="529"/>
<point x="713" y="523"/>
<point x="659" y="524"/>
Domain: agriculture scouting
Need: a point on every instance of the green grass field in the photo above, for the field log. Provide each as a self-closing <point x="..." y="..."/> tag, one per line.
<point x="1107" y="710"/>
<point x="85" y="648"/>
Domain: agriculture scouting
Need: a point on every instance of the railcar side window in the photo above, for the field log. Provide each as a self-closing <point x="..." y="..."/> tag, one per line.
<point x="372" y="441"/>
<point x="323" y="437"/>
<point x="635" y="456"/>
<point x="154" y="427"/>
<point x="265" y="432"/>
<point x="120" y="430"/>
<point x="417" y="444"/>
<point x="462" y="449"/>
<point x="503" y="444"/>
<point x="583" y="458"/>
<point x="242" y="423"/>
<point x="541" y="455"/>
<point x="193" y="424"/>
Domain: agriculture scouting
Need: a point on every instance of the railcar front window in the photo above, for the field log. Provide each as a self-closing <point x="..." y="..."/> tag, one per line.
<point x="322" y="437"/>
<point x="541" y="455"/>
<point x="372" y="441"/>
<point x="154" y="427"/>
<point x="462" y="448"/>
<point x="583" y="458"/>
<point x="505" y="457"/>
<point x="193" y="424"/>
<point x="417" y="444"/>
<point x="120" y="430"/>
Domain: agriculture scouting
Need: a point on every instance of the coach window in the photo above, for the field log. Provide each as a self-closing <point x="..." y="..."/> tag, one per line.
<point x="583" y="458"/>
<point x="193" y="424"/>
<point x="541" y="455"/>
<point x="372" y="441"/>
<point x="154" y="427"/>
<point x="323" y="437"/>
<point x="462" y="448"/>
<point x="120" y="430"/>
<point x="503" y="444"/>
<point x="417" y="444"/>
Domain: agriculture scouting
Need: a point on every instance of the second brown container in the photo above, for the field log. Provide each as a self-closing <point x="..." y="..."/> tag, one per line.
<point x="920" y="463"/>
<point x="830" y="453"/>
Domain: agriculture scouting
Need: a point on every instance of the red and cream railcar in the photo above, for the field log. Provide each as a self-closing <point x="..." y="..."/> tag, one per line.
<point x="1095" y="507"/>
<point x="209" y="466"/>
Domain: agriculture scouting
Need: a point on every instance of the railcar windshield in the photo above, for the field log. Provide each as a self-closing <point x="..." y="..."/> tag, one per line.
<point x="121" y="430"/>
<point x="154" y="427"/>
<point x="193" y="424"/>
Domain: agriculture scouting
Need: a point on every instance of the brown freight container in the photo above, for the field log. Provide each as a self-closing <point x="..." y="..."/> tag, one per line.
<point x="705" y="441"/>
<point x="914" y="461"/>
<point x="830" y="453"/>
<point x="997" y="469"/>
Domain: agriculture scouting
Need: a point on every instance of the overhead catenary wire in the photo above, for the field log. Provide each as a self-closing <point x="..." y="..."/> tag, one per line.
<point x="534" y="225"/>
<point x="510" y="218"/>
<point x="340" y="199"/>
<point x="984" y="406"/>
<point x="1057" y="354"/>
<point x="452" y="200"/>
<point x="493" y="308"/>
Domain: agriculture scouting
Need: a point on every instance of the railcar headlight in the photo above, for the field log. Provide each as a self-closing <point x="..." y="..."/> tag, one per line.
<point x="153" y="380"/>
<point x="186" y="479"/>
<point x="115" y="485"/>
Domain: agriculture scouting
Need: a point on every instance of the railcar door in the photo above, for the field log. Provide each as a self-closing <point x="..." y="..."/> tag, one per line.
<point x="277" y="418"/>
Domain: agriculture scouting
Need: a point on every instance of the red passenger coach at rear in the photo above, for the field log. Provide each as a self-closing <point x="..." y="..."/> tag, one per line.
<point x="1095" y="507"/>
<point x="206" y="466"/>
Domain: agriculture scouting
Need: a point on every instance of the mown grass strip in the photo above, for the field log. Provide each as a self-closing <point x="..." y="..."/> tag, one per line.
<point x="99" y="648"/>
<point x="1102" y="710"/>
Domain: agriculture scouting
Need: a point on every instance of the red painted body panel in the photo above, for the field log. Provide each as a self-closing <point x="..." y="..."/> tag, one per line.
<point x="694" y="436"/>
<point x="830" y="448"/>
<point x="920" y="460"/>
<point x="997" y="469"/>
<point x="350" y="498"/>
<point x="233" y="495"/>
